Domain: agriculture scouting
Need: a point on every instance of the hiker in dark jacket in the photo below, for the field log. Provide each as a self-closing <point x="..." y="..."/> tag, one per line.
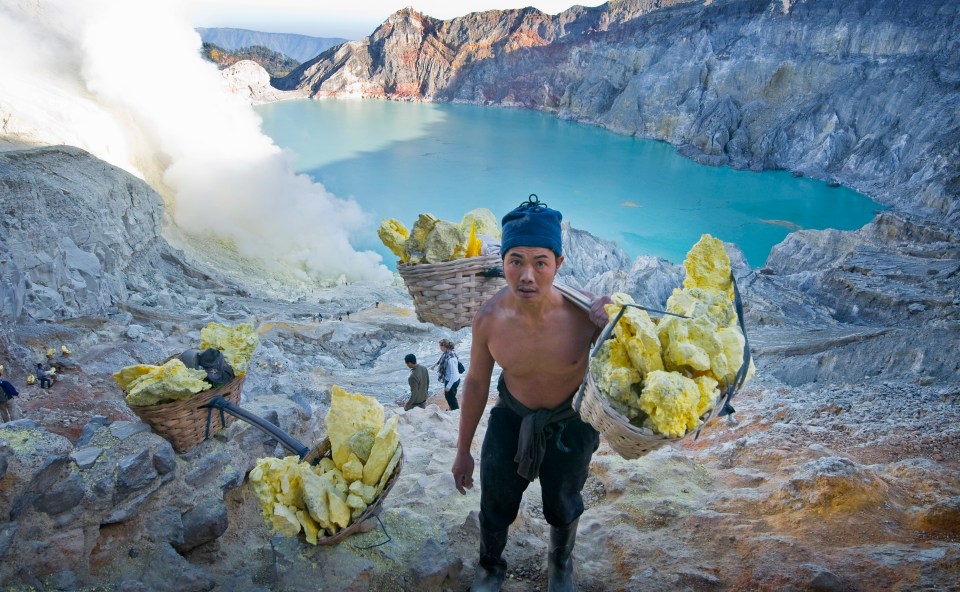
<point x="7" y="393"/>
<point x="419" y="381"/>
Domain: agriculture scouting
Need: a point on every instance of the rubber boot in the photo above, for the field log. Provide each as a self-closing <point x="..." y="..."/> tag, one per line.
<point x="491" y="569"/>
<point x="560" y="558"/>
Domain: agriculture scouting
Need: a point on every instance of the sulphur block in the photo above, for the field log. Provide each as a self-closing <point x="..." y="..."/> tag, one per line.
<point x="708" y="394"/>
<point x="366" y="492"/>
<point x="315" y="498"/>
<point x="637" y="332"/>
<point x="362" y="442"/>
<point x="613" y="371"/>
<point x="483" y="221"/>
<point x="350" y="413"/>
<point x="383" y="449"/>
<point x="697" y="302"/>
<point x="172" y="381"/>
<point x="394" y="235"/>
<point x="474" y="245"/>
<point x="352" y="469"/>
<point x="670" y="401"/>
<point x="388" y="470"/>
<point x="326" y="464"/>
<point x="310" y="528"/>
<point x="237" y="343"/>
<point x="339" y="510"/>
<point x="285" y="521"/>
<point x="416" y="244"/>
<point x="127" y="375"/>
<point x="445" y="242"/>
<point x="691" y="345"/>
<point x="355" y="502"/>
<point x="708" y="266"/>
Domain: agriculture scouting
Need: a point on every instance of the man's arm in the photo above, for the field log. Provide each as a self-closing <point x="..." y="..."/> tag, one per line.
<point x="475" y="392"/>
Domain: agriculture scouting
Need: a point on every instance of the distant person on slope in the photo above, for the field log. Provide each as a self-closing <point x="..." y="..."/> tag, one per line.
<point x="7" y="393"/>
<point x="448" y="370"/>
<point x="419" y="381"/>
<point x="43" y="375"/>
<point x="542" y="343"/>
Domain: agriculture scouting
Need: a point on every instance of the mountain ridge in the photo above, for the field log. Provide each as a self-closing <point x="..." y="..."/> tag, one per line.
<point x="296" y="46"/>
<point x="862" y="93"/>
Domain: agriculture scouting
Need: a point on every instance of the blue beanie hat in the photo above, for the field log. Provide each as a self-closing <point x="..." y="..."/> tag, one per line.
<point x="531" y="224"/>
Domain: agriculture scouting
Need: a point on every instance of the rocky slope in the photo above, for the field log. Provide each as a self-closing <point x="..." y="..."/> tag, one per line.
<point x="841" y="473"/>
<point x="860" y="92"/>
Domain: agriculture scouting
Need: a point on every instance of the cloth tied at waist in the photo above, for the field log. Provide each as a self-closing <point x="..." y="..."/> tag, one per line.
<point x="535" y="427"/>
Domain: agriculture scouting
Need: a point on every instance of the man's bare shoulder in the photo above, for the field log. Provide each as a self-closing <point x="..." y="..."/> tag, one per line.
<point x="491" y="308"/>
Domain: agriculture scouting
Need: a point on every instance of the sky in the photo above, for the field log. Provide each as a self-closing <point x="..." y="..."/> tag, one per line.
<point x="339" y="18"/>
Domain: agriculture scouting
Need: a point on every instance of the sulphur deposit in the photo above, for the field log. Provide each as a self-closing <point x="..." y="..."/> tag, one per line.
<point x="432" y="240"/>
<point x="146" y="384"/>
<point x="321" y="500"/>
<point x="665" y="374"/>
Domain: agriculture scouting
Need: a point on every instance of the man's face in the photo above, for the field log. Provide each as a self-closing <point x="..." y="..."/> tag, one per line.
<point x="530" y="271"/>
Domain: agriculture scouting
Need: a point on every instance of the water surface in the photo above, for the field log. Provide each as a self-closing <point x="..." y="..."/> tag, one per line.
<point x="400" y="159"/>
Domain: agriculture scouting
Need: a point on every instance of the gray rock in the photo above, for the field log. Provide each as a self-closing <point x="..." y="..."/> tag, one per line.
<point x="124" y="429"/>
<point x="95" y="423"/>
<point x="166" y="526"/>
<point x="164" y="459"/>
<point x="134" y="472"/>
<point x="826" y="581"/>
<point x="85" y="457"/>
<point x="206" y="469"/>
<point x="7" y="533"/>
<point x="203" y="523"/>
<point x="128" y="509"/>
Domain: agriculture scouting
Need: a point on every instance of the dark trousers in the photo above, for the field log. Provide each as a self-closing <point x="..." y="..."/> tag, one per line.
<point x="562" y="473"/>
<point x="45" y="382"/>
<point x="451" y="396"/>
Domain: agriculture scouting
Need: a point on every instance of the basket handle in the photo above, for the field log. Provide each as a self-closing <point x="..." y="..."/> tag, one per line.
<point x="285" y="439"/>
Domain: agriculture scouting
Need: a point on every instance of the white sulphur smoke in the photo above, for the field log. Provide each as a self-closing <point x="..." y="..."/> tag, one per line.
<point x="124" y="80"/>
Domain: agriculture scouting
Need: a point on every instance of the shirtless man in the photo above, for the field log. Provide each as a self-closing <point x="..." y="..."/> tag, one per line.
<point x="542" y="343"/>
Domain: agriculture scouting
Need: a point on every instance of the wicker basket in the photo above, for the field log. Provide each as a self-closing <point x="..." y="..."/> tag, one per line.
<point x="183" y="423"/>
<point x="372" y="510"/>
<point x="626" y="439"/>
<point x="449" y="294"/>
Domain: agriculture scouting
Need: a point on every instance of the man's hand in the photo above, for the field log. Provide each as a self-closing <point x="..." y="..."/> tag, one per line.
<point x="598" y="313"/>
<point x="463" y="472"/>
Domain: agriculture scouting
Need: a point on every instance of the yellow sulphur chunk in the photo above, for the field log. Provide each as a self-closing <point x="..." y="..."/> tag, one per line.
<point x="474" y="245"/>
<point x="670" y="402"/>
<point x="285" y="521"/>
<point x="383" y="448"/>
<point x="339" y="510"/>
<point x="348" y="414"/>
<point x="173" y="381"/>
<point x="352" y="469"/>
<point x="310" y="528"/>
<point x="394" y="235"/>
<point x="366" y="492"/>
<point x="127" y="375"/>
<point x="237" y="344"/>
<point x="708" y="266"/>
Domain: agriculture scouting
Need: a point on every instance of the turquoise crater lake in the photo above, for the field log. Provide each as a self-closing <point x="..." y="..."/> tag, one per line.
<point x="400" y="159"/>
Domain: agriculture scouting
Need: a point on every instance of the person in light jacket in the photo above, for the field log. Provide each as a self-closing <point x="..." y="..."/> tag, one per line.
<point x="448" y="370"/>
